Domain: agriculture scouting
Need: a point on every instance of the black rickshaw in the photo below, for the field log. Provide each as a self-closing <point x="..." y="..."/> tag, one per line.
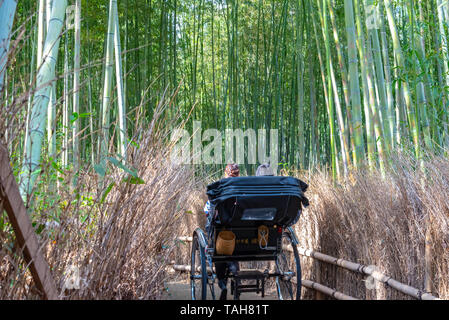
<point x="258" y="212"/>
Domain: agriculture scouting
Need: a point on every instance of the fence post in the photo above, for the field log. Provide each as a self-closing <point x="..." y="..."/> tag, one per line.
<point x="428" y="256"/>
<point x="24" y="231"/>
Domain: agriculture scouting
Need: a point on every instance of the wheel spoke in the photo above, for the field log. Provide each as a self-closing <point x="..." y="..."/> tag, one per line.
<point x="198" y="272"/>
<point x="287" y="264"/>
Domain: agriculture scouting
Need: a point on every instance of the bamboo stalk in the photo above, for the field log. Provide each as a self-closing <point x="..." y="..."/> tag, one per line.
<point x="40" y="32"/>
<point x="300" y="84"/>
<point x="48" y="8"/>
<point x="91" y="110"/>
<point x="445" y="53"/>
<point x="313" y="158"/>
<point x="38" y="116"/>
<point x="349" y="136"/>
<point x="51" y="122"/>
<point x="334" y="161"/>
<point x="7" y="13"/>
<point x="368" y="63"/>
<point x="356" y="109"/>
<point x="368" y="96"/>
<point x="65" y="111"/>
<point x="400" y="60"/>
<point x="322" y="72"/>
<point x="424" y="94"/>
<point x="379" y="74"/>
<point x="119" y="81"/>
<point x="187" y="268"/>
<point x="387" y="74"/>
<point x="107" y="87"/>
<point x="76" y="90"/>
<point x="326" y="290"/>
<point x="51" y="108"/>
<point x="333" y="84"/>
<point x="185" y="239"/>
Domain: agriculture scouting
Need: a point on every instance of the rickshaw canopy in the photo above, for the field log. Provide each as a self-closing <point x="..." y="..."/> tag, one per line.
<point x="247" y="201"/>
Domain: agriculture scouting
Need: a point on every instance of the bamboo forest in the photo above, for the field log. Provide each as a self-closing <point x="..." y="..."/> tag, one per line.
<point x="99" y="98"/>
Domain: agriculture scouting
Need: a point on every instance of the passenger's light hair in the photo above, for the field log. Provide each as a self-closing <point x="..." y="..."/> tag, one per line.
<point x="264" y="170"/>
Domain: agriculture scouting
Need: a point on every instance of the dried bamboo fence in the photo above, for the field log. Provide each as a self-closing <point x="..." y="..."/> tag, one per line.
<point x="349" y="265"/>
<point x="370" y="271"/>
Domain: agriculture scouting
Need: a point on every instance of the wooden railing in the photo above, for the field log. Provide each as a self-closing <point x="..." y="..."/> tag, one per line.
<point x="26" y="237"/>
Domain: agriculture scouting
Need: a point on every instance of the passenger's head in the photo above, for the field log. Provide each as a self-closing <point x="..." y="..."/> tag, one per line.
<point x="232" y="170"/>
<point x="264" y="170"/>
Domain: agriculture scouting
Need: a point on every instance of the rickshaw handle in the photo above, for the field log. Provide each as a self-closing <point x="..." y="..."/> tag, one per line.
<point x="293" y="235"/>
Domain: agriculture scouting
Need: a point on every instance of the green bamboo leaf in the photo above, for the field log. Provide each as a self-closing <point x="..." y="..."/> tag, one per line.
<point x="74" y="117"/>
<point x="40" y="228"/>
<point x="106" y="192"/>
<point x="54" y="164"/>
<point x="135" y="144"/>
<point x="120" y="165"/>
<point x="134" y="180"/>
<point x="100" y="169"/>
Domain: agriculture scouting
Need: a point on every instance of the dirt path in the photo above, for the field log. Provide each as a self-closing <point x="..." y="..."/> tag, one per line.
<point x="181" y="291"/>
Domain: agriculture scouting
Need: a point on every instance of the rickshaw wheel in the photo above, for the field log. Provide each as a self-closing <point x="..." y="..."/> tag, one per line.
<point x="198" y="271"/>
<point x="288" y="264"/>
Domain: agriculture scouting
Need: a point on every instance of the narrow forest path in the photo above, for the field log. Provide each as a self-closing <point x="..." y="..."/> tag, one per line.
<point x="180" y="290"/>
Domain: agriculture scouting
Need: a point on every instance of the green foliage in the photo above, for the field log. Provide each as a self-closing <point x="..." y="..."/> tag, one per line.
<point x="253" y="64"/>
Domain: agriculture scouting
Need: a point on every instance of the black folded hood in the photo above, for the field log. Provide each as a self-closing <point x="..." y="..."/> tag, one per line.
<point x="243" y="201"/>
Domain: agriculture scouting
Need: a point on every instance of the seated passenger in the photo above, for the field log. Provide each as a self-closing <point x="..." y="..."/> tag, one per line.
<point x="222" y="268"/>
<point x="231" y="170"/>
<point x="264" y="170"/>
